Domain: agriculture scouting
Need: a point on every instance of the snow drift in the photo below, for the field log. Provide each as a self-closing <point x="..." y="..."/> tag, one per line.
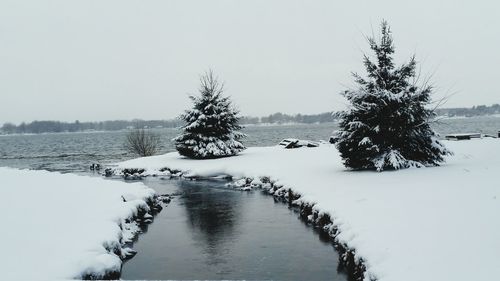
<point x="65" y="226"/>
<point x="436" y="223"/>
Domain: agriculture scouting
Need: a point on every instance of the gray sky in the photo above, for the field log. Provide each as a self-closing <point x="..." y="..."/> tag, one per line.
<point x="99" y="60"/>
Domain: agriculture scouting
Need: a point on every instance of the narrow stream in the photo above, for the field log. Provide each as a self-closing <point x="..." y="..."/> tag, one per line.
<point x="214" y="232"/>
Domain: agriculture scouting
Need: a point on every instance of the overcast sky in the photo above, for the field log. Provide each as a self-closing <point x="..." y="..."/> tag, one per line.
<point x="100" y="60"/>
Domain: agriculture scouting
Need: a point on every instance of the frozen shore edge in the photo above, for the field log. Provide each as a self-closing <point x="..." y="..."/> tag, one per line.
<point x="131" y="228"/>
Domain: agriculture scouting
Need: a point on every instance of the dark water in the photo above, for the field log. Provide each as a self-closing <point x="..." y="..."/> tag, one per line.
<point x="213" y="232"/>
<point x="74" y="152"/>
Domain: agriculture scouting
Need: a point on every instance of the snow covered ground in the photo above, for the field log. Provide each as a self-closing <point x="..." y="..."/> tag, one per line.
<point x="63" y="226"/>
<point x="439" y="223"/>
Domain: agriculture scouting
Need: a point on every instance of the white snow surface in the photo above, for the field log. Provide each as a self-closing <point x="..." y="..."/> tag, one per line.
<point x="55" y="226"/>
<point x="434" y="223"/>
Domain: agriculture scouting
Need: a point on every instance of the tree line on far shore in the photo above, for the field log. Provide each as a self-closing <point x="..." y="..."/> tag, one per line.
<point x="37" y="127"/>
<point x="477" y="110"/>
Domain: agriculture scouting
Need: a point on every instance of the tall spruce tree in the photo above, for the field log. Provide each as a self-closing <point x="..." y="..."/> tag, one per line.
<point x="387" y="123"/>
<point x="211" y="129"/>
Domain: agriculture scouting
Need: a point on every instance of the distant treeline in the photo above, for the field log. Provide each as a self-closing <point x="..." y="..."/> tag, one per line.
<point x="37" y="127"/>
<point x="281" y="118"/>
<point x="479" y="110"/>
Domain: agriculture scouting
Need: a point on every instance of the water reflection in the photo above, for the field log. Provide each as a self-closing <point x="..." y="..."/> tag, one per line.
<point x="212" y="213"/>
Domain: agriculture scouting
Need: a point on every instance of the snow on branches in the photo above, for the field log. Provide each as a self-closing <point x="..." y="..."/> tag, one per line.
<point x="387" y="123"/>
<point x="211" y="129"/>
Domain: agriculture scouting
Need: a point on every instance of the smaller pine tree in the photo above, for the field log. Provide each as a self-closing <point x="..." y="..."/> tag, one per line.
<point x="211" y="129"/>
<point x="387" y="123"/>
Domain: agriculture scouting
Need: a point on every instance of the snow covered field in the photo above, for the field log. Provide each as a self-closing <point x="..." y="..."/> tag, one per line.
<point x="439" y="223"/>
<point x="63" y="226"/>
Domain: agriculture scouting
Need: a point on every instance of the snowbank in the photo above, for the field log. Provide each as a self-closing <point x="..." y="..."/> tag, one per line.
<point x="438" y="223"/>
<point x="64" y="226"/>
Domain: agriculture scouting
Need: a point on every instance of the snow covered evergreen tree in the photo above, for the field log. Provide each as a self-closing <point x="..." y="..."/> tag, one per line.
<point x="212" y="125"/>
<point x="387" y="123"/>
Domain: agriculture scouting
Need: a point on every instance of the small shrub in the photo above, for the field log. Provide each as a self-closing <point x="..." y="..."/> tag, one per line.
<point x="142" y="142"/>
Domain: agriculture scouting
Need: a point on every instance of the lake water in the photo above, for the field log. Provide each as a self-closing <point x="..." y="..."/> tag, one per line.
<point x="214" y="232"/>
<point x="74" y="152"/>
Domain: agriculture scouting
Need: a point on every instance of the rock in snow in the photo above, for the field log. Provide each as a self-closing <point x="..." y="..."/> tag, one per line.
<point x="65" y="226"/>
<point x="437" y="223"/>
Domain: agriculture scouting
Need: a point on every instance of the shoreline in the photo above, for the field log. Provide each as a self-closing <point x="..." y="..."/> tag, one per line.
<point x="132" y="227"/>
<point x="354" y="267"/>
